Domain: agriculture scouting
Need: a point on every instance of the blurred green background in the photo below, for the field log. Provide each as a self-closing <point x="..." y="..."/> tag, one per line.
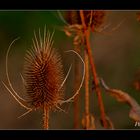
<point x="116" y="55"/>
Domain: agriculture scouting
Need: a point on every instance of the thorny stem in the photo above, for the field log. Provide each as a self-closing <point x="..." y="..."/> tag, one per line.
<point x="46" y="117"/>
<point x="87" y="123"/>
<point x="87" y="36"/>
<point x="76" y="85"/>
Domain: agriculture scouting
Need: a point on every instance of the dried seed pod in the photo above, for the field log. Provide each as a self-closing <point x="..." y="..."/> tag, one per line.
<point x="90" y="120"/>
<point x="43" y="73"/>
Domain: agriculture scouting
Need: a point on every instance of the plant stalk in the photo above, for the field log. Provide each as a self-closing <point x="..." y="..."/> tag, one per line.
<point x="87" y="121"/>
<point x="46" y="117"/>
<point x="97" y="89"/>
<point x="76" y="85"/>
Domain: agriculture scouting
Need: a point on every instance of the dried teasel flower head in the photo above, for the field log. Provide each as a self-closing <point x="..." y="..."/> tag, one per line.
<point x="43" y="73"/>
<point x="44" y="80"/>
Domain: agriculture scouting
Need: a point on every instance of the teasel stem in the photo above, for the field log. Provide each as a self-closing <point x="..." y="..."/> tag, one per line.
<point x="93" y="69"/>
<point x="76" y="85"/>
<point x="46" y="117"/>
<point x="87" y="121"/>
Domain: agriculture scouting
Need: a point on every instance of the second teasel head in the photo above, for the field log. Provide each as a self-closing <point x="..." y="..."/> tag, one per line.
<point x="43" y="73"/>
<point x="73" y="17"/>
<point x="93" y="20"/>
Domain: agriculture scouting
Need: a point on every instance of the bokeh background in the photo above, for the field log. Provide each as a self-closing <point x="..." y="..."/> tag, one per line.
<point x="116" y="55"/>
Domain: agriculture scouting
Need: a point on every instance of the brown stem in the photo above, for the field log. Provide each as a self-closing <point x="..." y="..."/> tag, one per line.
<point x="87" y="36"/>
<point x="76" y="85"/>
<point x="87" y="121"/>
<point x="46" y="117"/>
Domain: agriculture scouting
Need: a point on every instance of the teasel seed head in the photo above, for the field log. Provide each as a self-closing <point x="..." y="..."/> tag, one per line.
<point x="43" y="73"/>
<point x="73" y="17"/>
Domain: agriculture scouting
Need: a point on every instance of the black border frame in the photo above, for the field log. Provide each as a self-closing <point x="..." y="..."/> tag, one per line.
<point x="71" y="134"/>
<point x="71" y="4"/>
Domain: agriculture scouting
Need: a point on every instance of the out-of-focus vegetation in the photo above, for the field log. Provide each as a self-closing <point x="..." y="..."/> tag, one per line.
<point x="116" y="57"/>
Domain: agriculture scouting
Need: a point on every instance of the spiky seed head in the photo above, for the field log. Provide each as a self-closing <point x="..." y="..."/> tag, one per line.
<point x="43" y="73"/>
<point x="73" y="17"/>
